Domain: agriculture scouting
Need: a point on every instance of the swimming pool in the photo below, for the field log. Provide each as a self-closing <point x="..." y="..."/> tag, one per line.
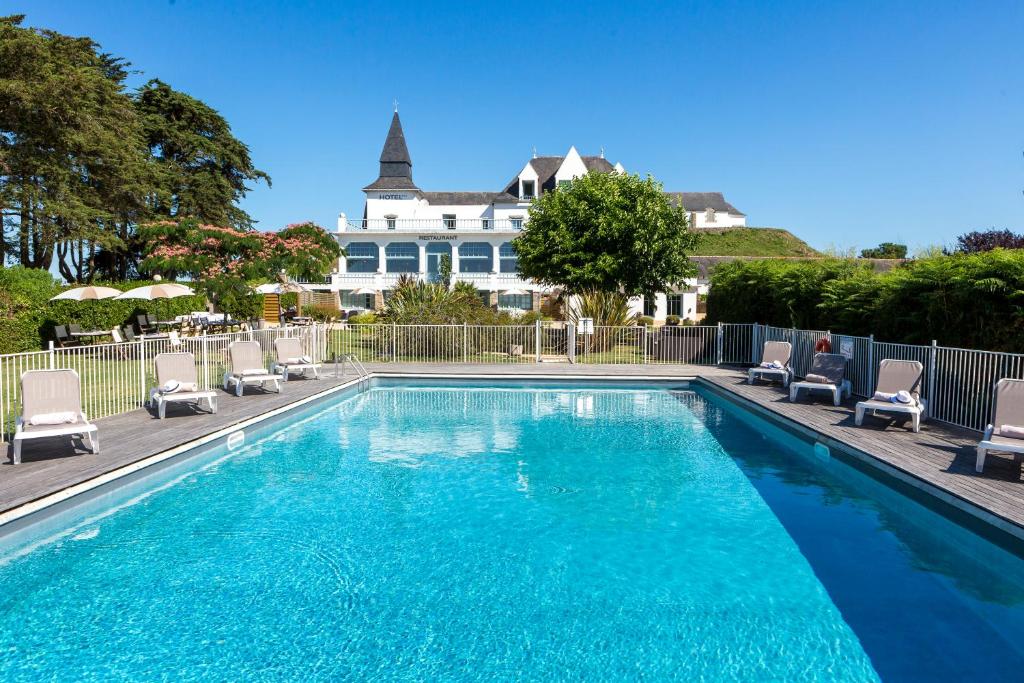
<point x="420" y="532"/>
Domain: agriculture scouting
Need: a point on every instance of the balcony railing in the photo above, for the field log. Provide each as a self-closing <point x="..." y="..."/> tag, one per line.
<point x="435" y="224"/>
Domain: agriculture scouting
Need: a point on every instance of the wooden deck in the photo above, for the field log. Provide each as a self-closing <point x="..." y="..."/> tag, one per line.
<point x="939" y="456"/>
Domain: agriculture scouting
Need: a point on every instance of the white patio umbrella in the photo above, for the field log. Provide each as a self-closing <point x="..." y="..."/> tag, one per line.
<point x="514" y="292"/>
<point x="284" y="288"/>
<point x="89" y="293"/>
<point x="281" y="288"/>
<point x="364" y="290"/>
<point x="169" y="290"/>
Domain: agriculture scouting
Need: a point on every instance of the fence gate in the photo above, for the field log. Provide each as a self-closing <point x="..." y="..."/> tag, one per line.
<point x="552" y="342"/>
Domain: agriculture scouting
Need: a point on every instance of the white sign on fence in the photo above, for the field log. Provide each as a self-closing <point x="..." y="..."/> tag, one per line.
<point x="846" y="348"/>
<point x="585" y="326"/>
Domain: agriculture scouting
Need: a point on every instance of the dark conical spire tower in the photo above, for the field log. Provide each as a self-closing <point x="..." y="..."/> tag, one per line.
<point x="395" y="164"/>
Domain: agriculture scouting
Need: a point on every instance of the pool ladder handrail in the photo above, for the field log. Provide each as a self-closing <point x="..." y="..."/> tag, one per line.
<point x="362" y="373"/>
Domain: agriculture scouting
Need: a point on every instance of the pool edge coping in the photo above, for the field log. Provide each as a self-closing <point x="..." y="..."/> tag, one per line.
<point x="976" y="511"/>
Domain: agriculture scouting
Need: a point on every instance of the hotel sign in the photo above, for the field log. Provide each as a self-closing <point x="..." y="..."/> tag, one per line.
<point x="393" y="195"/>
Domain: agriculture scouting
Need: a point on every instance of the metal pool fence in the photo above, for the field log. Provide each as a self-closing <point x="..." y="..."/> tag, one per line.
<point x="116" y="377"/>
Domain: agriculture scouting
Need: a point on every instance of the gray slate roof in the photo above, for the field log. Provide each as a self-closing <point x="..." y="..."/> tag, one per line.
<point x="468" y="198"/>
<point x="395" y="163"/>
<point x="701" y="201"/>
<point x="546" y="167"/>
<point x="392" y="183"/>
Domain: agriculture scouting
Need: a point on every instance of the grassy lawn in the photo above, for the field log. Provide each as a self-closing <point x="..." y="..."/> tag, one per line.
<point x="751" y="242"/>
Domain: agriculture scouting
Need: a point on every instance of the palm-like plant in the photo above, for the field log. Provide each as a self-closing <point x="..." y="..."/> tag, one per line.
<point x="608" y="309"/>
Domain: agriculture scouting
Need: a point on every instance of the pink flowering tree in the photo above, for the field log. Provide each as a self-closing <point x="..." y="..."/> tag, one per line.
<point x="224" y="261"/>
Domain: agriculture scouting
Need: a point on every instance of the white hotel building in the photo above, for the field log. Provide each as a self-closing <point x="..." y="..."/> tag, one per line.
<point x="406" y="230"/>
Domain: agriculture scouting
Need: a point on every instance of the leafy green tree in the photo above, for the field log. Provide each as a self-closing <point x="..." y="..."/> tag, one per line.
<point x="72" y="162"/>
<point x="83" y="161"/>
<point x="608" y="232"/>
<point x="887" y="250"/>
<point x="203" y="169"/>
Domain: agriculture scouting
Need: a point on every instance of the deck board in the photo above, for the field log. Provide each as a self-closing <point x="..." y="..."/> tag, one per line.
<point x="940" y="455"/>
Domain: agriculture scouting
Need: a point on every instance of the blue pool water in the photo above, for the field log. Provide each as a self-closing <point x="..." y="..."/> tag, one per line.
<point x="482" y="533"/>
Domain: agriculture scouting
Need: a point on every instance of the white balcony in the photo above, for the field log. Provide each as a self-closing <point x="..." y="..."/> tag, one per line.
<point x="492" y="282"/>
<point x="434" y="224"/>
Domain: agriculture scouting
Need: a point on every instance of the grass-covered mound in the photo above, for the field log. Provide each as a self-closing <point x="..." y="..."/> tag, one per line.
<point x="751" y="242"/>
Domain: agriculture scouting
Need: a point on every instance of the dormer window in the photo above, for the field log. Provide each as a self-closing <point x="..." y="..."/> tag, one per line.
<point x="389" y="221"/>
<point x="449" y="220"/>
<point x="563" y="184"/>
<point x="529" y="189"/>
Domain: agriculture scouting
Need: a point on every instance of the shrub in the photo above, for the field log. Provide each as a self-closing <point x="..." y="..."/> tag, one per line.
<point x="363" y="319"/>
<point x="672" y="320"/>
<point x="644" y="320"/>
<point x="321" y="312"/>
<point x="966" y="300"/>
<point x="24" y="296"/>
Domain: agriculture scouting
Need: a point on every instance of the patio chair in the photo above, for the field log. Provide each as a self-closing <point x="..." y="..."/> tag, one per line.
<point x="826" y="374"/>
<point x="247" y="367"/>
<point x="64" y="338"/>
<point x="1006" y="433"/>
<point x="51" y="405"/>
<point x="178" y="382"/>
<point x="290" y="358"/>
<point x="129" y="333"/>
<point x="897" y="379"/>
<point x="774" y="363"/>
<point x="74" y="327"/>
<point x="142" y="320"/>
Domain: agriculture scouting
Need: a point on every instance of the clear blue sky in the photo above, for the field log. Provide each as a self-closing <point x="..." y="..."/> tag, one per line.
<point x="847" y="122"/>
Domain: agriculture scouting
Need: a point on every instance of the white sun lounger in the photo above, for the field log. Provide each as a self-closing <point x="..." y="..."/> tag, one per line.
<point x="246" y="358"/>
<point x="826" y="374"/>
<point x="180" y="368"/>
<point x="780" y="351"/>
<point x="1009" y="412"/>
<point x="895" y="376"/>
<point x="51" y="405"/>
<point x="289" y="358"/>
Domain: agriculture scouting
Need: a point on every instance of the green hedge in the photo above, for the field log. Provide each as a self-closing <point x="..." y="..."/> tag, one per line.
<point x="27" y="316"/>
<point x="964" y="300"/>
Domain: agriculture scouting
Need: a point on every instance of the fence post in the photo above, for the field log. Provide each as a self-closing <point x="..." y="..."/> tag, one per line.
<point x="142" y="371"/>
<point x="465" y="343"/>
<point x="643" y="343"/>
<point x="869" y="390"/>
<point x="52" y="359"/>
<point x="206" y="363"/>
<point x="932" y="361"/>
<point x="718" y="343"/>
<point x="537" y="339"/>
<point x="394" y="342"/>
<point x="570" y="341"/>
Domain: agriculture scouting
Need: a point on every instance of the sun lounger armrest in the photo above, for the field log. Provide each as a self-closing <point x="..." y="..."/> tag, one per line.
<point x="988" y="432"/>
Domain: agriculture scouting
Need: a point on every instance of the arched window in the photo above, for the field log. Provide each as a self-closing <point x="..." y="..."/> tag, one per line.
<point x="509" y="260"/>
<point x="402" y="257"/>
<point x="362" y="257"/>
<point x="476" y="257"/>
